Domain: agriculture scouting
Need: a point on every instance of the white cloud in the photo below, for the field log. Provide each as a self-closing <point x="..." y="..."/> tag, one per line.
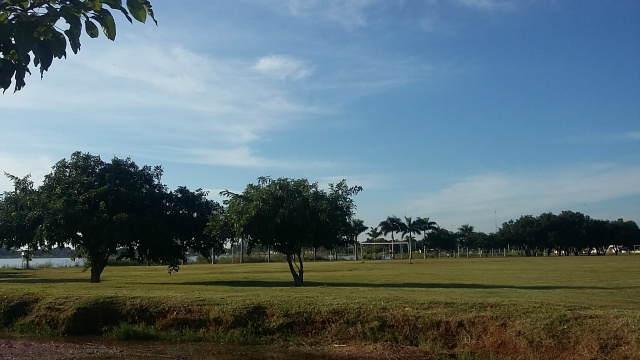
<point x="367" y="181"/>
<point x="23" y="164"/>
<point x="143" y="91"/>
<point x="632" y="135"/>
<point x="244" y="157"/>
<point x="478" y="198"/>
<point x="604" y="138"/>
<point x="349" y="13"/>
<point x="282" y="67"/>
<point x="489" y="5"/>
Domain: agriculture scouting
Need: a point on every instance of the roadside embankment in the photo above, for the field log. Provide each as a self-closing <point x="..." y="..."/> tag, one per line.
<point x="489" y="329"/>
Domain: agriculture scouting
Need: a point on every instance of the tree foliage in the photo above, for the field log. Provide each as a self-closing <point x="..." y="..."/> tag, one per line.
<point x="32" y="30"/>
<point x="290" y="215"/>
<point x="374" y="234"/>
<point x="106" y="208"/>
<point x="21" y="216"/>
<point x="426" y="226"/>
<point x="567" y="233"/>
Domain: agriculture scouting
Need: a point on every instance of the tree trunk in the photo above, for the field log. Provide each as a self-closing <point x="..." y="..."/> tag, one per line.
<point x="301" y="272"/>
<point x="392" y="250"/>
<point x="297" y="276"/>
<point x="355" y="252"/>
<point x="98" y="263"/>
<point x="410" y="249"/>
<point x="241" y="251"/>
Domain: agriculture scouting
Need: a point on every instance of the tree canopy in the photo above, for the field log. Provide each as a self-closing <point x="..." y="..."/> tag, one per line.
<point x="289" y="215"/>
<point x="32" y="30"/>
<point x="568" y="232"/>
<point x="21" y="216"/>
<point x="106" y="208"/>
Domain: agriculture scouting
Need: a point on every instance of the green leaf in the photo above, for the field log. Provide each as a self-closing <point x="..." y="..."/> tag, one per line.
<point x="43" y="56"/>
<point x="58" y="44"/>
<point x="137" y="10"/>
<point x="74" y="31"/>
<point x="7" y="69"/>
<point x="95" y="5"/>
<point x="117" y="5"/>
<point x="91" y="29"/>
<point x="149" y="9"/>
<point x="3" y="16"/>
<point x="105" y="19"/>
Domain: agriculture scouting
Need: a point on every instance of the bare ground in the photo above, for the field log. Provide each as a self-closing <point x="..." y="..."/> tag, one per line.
<point x="21" y="349"/>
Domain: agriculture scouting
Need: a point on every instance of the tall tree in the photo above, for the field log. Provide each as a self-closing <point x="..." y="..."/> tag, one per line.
<point x="21" y="217"/>
<point x="426" y="226"/>
<point x="410" y="227"/>
<point x="356" y="228"/>
<point x="443" y="240"/>
<point x="465" y="236"/>
<point x="31" y="30"/>
<point x="105" y="207"/>
<point x="220" y="229"/>
<point x="374" y="234"/>
<point x="391" y="225"/>
<point x="188" y="213"/>
<point x="290" y="215"/>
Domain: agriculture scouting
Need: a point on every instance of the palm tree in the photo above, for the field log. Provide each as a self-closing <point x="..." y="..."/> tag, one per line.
<point x="426" y="226"/>
<point x="410" y="227"/>
<point x="357" y="228"/>
<point x="391" y="225"/>
<point x="374" y="234"/>
<point x="464" y="235"/>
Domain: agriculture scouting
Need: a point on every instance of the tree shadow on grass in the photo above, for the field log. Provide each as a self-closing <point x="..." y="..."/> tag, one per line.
<point x="22" y="277"/>
<point x="278" y="284"/>
<point x="13" y="274"/>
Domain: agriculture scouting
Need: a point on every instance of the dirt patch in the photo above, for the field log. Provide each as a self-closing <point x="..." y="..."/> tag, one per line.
<point x="12" y="349"/>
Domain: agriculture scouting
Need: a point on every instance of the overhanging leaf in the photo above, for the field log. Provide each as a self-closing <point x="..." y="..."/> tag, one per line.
<point x="91" y="29"/>
<point x="137" y="10"/>
<point x="105" y="19"/>
<point x="117" y="4"/>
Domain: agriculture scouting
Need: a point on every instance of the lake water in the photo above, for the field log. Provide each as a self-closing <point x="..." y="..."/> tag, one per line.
<point x="46" y="262"/>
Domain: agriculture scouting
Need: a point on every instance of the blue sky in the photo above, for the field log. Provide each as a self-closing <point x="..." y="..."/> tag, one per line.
<point x="463" y="111"/>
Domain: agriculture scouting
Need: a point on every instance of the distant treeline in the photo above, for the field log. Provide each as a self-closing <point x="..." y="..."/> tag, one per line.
<point x="566" y="233"/>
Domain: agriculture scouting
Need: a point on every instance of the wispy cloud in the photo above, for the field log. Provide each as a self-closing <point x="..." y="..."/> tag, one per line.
<point x="605" y="138"/>
<point x="245" y="157"/>
<point x="489" y="5"/>
<point x="476" y="198"/>
<point x="217" y="107"/>
<point x="283" y="67"/>
<point x="349" y="13"/>
<point x="19" y="165"/>
<point x="168" y="92"/>
<point x="367" y="181"/>
<point x="632" y="135"/>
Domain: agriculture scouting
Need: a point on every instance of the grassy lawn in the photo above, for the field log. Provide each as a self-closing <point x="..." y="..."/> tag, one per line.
<point x="606" y="282"/>
<point x="508" y="307"/>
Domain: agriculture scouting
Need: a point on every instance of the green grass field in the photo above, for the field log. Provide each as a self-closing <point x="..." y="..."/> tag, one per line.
<point x="486" y="306"/>
<point x="601" y="282"/>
